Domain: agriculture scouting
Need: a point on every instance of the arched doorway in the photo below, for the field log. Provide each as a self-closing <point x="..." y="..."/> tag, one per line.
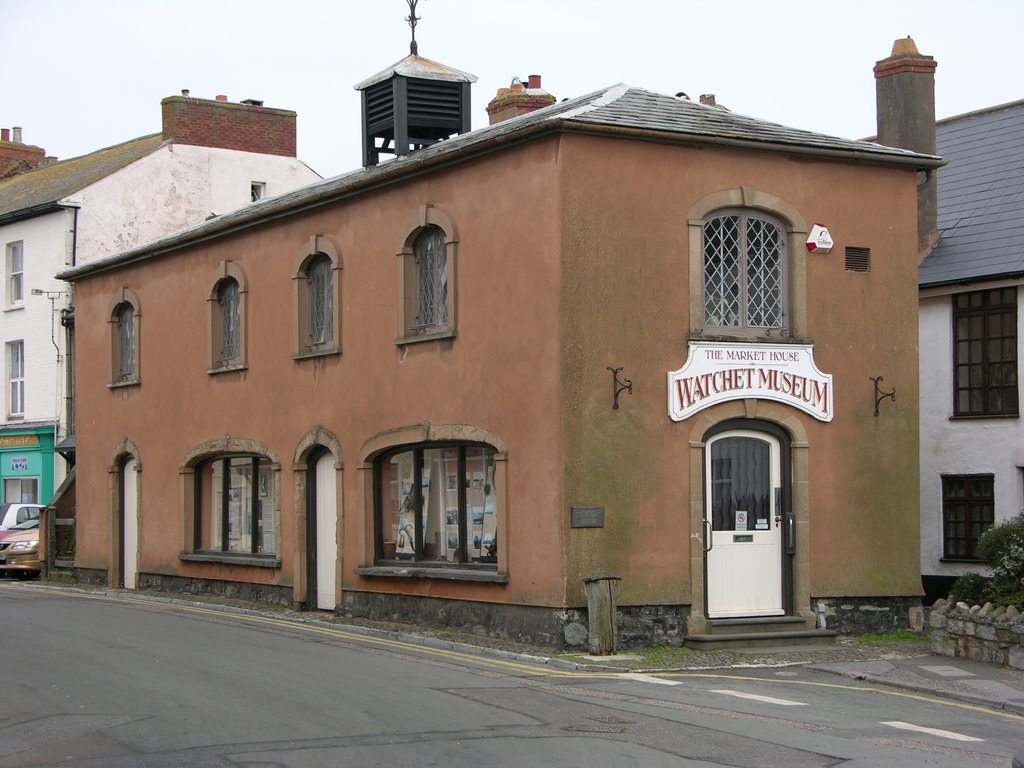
<point x="748" y="526"/>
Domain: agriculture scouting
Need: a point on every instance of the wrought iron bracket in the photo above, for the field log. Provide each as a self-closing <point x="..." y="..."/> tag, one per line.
<point x="880" y="394"/>
<point x="618" y="386"/>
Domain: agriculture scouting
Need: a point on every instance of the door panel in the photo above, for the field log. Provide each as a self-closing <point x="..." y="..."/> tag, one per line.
<point x="326" y="533"/>
<point x="743" y="512"/>
<point x="130" y="524"/>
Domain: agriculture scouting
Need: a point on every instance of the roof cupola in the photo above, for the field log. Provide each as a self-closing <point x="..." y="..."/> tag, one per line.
<point x="413" y="103"/>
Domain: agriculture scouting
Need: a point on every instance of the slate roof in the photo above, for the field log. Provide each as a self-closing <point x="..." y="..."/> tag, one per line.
<point x="617" y="110"/>
<point x="980" y="198"/>
<point x="44" y="187"/>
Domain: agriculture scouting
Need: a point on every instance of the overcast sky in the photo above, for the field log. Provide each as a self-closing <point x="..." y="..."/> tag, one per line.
<point x="79" y="76"/>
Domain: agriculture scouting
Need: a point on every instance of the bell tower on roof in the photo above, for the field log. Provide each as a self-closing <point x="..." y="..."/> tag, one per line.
<point x="413" y="103"/>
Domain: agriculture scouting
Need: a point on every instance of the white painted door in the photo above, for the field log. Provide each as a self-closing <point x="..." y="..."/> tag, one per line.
<point x="130" y="521"/>
<point x="744" y="515"/>
<point x="326" y="533"/>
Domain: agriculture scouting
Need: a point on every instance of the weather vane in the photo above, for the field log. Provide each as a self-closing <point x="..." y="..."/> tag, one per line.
<point x="412" y="18"/>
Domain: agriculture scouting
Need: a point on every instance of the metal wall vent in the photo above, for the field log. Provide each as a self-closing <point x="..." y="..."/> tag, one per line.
<point x="858" y="259"/>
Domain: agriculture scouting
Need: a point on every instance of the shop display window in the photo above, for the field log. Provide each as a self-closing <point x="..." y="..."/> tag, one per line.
<point x="438" y="504"/>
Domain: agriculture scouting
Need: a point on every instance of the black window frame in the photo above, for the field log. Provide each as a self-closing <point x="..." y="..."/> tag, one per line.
<point x="991" y="382"/>
<point x="976" y="513"/>
<point x="257" y="535"/>
<point x="464" y="559"/>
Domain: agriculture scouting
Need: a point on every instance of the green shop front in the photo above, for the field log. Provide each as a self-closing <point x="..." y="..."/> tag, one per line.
<point x="26" y="463"/>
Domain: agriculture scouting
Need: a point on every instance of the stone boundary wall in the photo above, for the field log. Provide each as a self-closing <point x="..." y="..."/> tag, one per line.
<point x="979" y="632"/>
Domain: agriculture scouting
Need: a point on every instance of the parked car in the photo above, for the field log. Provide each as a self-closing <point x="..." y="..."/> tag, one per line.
<point x="19" y="550"/>
<point x="13" y="513"/>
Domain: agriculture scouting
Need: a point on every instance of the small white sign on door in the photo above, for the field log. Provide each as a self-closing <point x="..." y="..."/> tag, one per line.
<point x="741" y="520"/>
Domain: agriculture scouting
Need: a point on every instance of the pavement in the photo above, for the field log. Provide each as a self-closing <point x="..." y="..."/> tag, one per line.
<point x="898" y="662"/>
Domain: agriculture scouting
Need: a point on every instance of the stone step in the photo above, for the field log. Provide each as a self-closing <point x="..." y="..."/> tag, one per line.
<point x="737" y="640"/>
<point x="756" y="624"/>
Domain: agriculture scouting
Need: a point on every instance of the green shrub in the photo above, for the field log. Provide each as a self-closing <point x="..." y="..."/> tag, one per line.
<point x="1002" y="548"/>
<point x="971" y="588"/>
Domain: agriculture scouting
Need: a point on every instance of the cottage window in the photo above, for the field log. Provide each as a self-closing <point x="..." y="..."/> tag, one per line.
<point x="234" y="505"/>
<point x="968" y="510"/>
<point x="16" y="379"/>
<point x="744" y="268"/>
<point x="437" y="504"/>
<point x="985" y="353"/>
<point x="15" y="269"/>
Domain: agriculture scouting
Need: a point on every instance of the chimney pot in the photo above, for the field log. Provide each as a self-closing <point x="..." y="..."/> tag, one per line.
<point x="533" y="81"/>
<point x="184" y="92"/>
<point x="17" y="134"/>
<point x="5" y="134"/>
<point x="222" y="97"/>
<point x="708" y="99"/>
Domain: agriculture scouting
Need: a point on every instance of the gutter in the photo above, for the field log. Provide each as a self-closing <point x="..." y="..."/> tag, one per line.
<point x="30" y="213"/>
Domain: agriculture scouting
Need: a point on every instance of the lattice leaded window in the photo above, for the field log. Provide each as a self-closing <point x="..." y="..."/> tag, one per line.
<point x="431" y="280"/>
<point x="126" y="341"/>
<point x="321" y="301"/>
<point x="230" y="320"/>
<point x="744" y="259"/>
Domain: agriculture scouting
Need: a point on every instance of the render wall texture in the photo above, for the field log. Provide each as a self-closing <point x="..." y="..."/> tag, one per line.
<point x="572" y="256"/>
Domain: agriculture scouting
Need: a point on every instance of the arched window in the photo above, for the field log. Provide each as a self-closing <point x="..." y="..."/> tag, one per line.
<point x="431" y="281"/>
<point x="124" y="338"/>
<point x="321" y="304"/>
<point x="744" y="272"/>
<point x="230" y="321"/>
<point x="234" y="505"/>
<point x="126" y="341"/>
<point x="426" y="263"/>
<point x="227" y="313"/>
<point x="437" y="503"/>
<point x="317" y="299"/>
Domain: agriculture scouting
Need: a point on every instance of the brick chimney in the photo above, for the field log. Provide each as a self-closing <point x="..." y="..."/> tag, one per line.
<point x="16" y="157"/>
<point x="518" y="99"/>
<point x="905" y="111"/>
<point x="247" y="127"/>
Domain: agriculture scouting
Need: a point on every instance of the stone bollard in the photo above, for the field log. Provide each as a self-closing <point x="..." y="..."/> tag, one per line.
<point x="602" y="605"/>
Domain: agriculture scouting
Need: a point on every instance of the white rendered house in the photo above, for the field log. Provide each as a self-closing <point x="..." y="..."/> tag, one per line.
<point x="212" y="157"/>
<point x="972" y="440"/>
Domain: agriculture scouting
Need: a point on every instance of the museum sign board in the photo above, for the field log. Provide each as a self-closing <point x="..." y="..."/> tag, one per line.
<point x="718" y="372"/>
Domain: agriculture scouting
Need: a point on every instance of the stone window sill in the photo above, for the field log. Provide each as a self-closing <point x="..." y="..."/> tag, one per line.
<point x="308" y="353"/>
<point x="429" y="572"/>
<point x="232" y="558"/>
<point x="125" y="383"/>
<point x="419" y="337"/>
<point x="228" y="369"/>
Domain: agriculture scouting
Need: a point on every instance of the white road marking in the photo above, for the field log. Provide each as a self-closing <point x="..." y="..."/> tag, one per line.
<point x="946" y="671"/>
<point x="762" y="699"/>
<point x="931" y="731"/>
<point x="651" y="679"/>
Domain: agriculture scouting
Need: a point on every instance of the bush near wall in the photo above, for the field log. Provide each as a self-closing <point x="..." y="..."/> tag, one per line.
<point x="979" y="632"/>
